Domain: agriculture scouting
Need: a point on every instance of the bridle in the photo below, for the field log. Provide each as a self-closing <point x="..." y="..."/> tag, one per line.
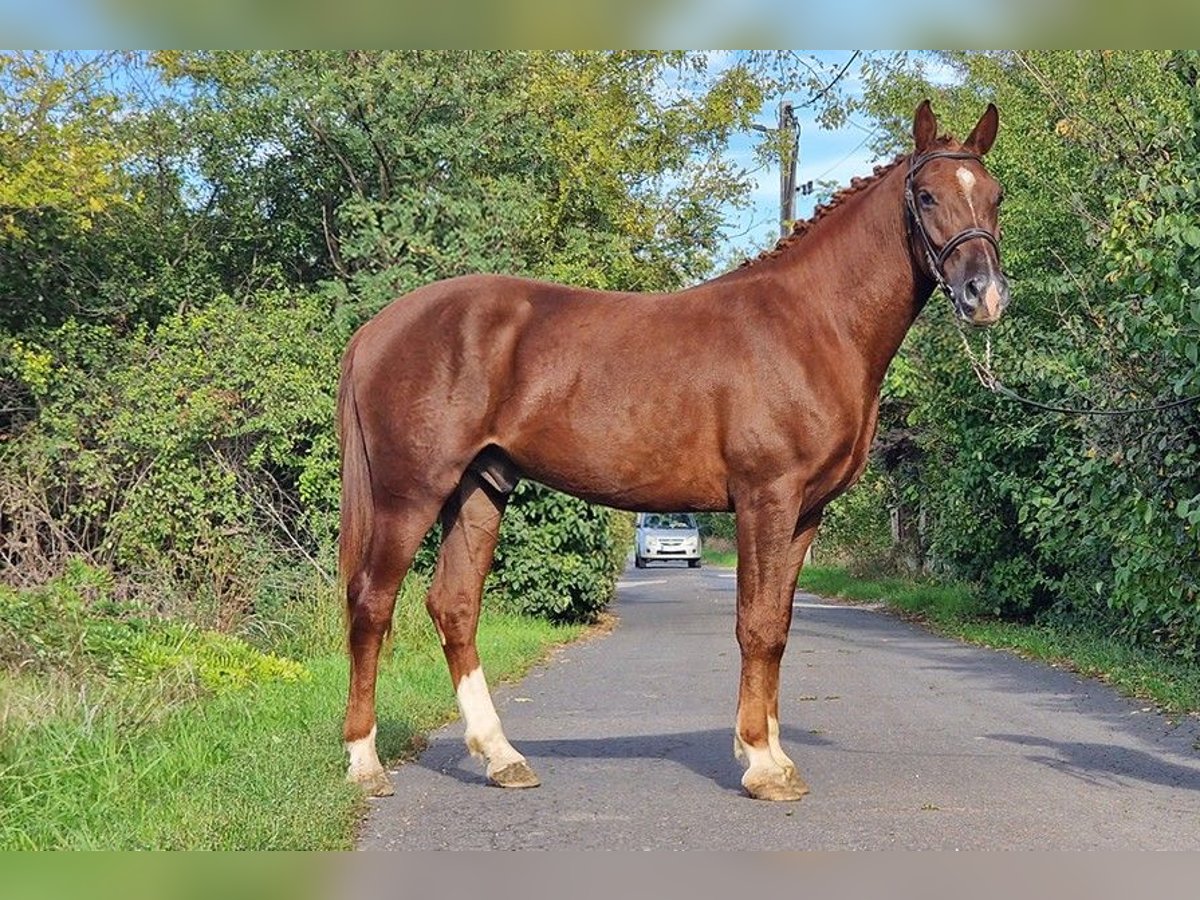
<point x="936" y="258"/>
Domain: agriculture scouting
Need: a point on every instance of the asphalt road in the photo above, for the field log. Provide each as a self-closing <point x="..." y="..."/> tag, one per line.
<point x="906" y="739"/>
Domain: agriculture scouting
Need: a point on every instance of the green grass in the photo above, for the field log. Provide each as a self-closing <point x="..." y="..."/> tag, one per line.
<point x="106" y="764"/>
<point x="719" y="557"/>
<point x="937" y="602"/>
<point x="951" y="609"/>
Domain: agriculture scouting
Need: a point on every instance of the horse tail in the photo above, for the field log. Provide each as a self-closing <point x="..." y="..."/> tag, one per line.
<point x="357" y="505"/>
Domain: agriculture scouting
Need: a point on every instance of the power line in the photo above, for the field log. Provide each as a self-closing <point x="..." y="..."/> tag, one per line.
<point x="817" y="95"/>
<point x="857" y="147"/>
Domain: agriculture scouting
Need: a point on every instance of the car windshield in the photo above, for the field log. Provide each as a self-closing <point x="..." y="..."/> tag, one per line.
<point x="669" y="520"/>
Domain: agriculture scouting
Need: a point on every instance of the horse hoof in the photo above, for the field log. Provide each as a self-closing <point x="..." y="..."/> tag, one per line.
<point x="514" y="775"/>
<point x="775" y="786"/>
<point x="374" y="784"/>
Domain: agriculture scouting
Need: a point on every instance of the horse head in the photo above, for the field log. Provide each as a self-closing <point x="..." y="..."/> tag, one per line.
<point x="952" y="205"/>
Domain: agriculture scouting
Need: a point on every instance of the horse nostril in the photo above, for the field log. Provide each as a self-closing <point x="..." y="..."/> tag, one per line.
<point x="973" y="288"/>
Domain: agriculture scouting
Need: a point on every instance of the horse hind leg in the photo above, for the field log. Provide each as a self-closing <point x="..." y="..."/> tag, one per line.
<point x="371" y="599"/>
<point x="470" y="529"/>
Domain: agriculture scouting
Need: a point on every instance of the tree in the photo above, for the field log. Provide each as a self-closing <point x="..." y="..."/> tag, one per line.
<point x="180" y="400"/>
<point x="388" y="170"/>
<point x="1077" y="516"/>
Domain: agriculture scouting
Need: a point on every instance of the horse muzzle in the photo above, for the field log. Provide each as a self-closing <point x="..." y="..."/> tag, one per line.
<point x="981" y="299"/>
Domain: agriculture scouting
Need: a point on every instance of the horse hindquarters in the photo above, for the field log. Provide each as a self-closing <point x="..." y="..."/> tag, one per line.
<point x="376" y="548"/>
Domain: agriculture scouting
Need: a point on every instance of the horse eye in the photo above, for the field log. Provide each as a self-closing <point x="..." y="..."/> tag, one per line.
<point x="1000" y="198"/>
<point x="926" y="198"/>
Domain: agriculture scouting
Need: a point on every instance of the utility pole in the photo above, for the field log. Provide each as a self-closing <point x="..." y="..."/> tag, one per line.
<point x="788" y="129"/>
<point x="787" y="135"/>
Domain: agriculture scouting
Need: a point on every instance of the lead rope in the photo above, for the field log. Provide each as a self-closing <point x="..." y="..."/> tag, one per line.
<point x="983" y="368"/>
<point x="991" y="381"/>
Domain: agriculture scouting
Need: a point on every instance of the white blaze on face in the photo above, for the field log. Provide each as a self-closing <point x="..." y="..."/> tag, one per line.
<point x="991" y="297"/>
<point x="364" y="761"/>
<point x="485" y="738"/>
<point x="966" y="180"/>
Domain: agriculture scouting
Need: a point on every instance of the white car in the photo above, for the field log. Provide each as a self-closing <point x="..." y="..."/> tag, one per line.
<point x="661" y="536"/>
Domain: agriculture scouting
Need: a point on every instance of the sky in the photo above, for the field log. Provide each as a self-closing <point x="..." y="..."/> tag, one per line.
<point x="824" y="156"/>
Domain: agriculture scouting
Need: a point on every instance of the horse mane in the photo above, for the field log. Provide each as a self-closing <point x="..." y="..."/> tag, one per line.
<point x="804" y="226"/>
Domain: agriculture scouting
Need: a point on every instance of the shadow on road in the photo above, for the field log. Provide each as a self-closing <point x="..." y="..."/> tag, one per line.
<point x="708" y="753"/>
<point x="1106" y="764"/>
<point x="1046" y="687"/>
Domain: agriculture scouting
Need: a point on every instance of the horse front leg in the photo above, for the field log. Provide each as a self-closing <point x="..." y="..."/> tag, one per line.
<point x="771" y="549"/>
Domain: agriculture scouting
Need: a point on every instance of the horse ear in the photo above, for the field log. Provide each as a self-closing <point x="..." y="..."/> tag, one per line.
<point x="984" y="134"/>
<point x="924" y="126"/>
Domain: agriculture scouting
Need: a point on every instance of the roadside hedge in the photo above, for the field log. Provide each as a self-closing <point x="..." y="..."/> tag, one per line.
<point x="199" y="461"/>
<point x="1084" y="520"/>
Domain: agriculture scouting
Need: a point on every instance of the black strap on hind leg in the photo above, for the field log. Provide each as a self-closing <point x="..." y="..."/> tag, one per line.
<point x="495" y="470"/>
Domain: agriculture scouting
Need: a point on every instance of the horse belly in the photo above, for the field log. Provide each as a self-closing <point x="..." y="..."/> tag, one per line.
<point x="660" y="490"/>
<point x="624" y="454"/>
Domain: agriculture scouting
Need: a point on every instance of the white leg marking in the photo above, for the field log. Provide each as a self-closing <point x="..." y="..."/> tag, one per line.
<point x="769" y="775"/>
<point x="776" y="747"/>
<point x="770" y="758"/>
<point x="485" y="738"/>
<point x="759" y="758"/>
<point x="364" y="761"/>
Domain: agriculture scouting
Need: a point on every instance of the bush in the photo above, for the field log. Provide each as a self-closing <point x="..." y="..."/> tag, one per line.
<point x="717" y="525"/>
<point x="855" y="530"/>
<point x="74" y="624"/>
<point x="558" y="557"/>
<point x="197" y="457"/>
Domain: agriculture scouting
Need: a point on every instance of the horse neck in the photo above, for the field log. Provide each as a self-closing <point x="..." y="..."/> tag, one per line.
<point x="857" y="267"/>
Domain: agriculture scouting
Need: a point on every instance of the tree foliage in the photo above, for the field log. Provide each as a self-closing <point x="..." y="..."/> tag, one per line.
<point x="59" y="149"/>
<point x="191" y="237"/>
<point x="1093" y="518"/>
<point x="391" y="169"/>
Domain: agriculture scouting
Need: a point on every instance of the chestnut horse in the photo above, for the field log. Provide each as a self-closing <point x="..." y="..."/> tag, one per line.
<point x="454" y="392"/>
